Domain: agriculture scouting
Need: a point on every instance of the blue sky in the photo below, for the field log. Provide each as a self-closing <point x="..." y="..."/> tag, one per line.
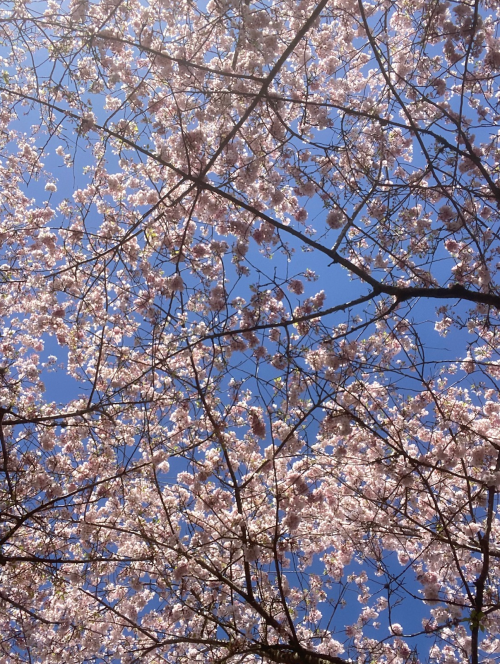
<point x="332" y="279"/>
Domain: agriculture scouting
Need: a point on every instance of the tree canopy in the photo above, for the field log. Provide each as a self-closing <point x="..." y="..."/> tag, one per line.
<point x="249" y="342"/>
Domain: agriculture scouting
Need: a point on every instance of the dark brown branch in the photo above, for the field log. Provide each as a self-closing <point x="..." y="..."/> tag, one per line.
<point x="269" y="79"/>
<point x="121" y="615"/>
<point x="455" y="291"/>
<point x="179" y="61"/>
<point x="71" y="561"/>
<point x="495" y="190"/>
<point x="404" y="293"/>
<point x="291" y="655"/>
<point x="19" y="606"/>
<point x="51" y="503"/>
<point x="5" y="454"/>
<point x="480" y="583"/>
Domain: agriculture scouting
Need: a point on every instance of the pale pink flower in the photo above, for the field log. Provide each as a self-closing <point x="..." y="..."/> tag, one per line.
<point x="176" y="284"/>
<point x="468" y="365"/>
<point x="296" y="286"/>
<point x="292" y="521"/>
<point x="301" y="215"/>
<point x="257" y="423"/>
<point x="335" y="219"/>
<point x="446" y="213"/>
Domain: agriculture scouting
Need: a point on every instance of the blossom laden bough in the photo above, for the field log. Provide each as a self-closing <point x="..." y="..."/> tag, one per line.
<point x="249" y="346"/>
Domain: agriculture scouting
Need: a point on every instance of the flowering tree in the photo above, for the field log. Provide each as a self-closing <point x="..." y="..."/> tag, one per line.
<point x="249" y="405"/>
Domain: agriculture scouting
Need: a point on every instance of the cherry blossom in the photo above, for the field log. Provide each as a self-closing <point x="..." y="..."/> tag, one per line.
<point x="249" y="348"/>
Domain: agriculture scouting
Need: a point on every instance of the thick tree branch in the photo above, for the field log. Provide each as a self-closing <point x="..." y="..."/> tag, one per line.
<point x="291" y="655"/>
